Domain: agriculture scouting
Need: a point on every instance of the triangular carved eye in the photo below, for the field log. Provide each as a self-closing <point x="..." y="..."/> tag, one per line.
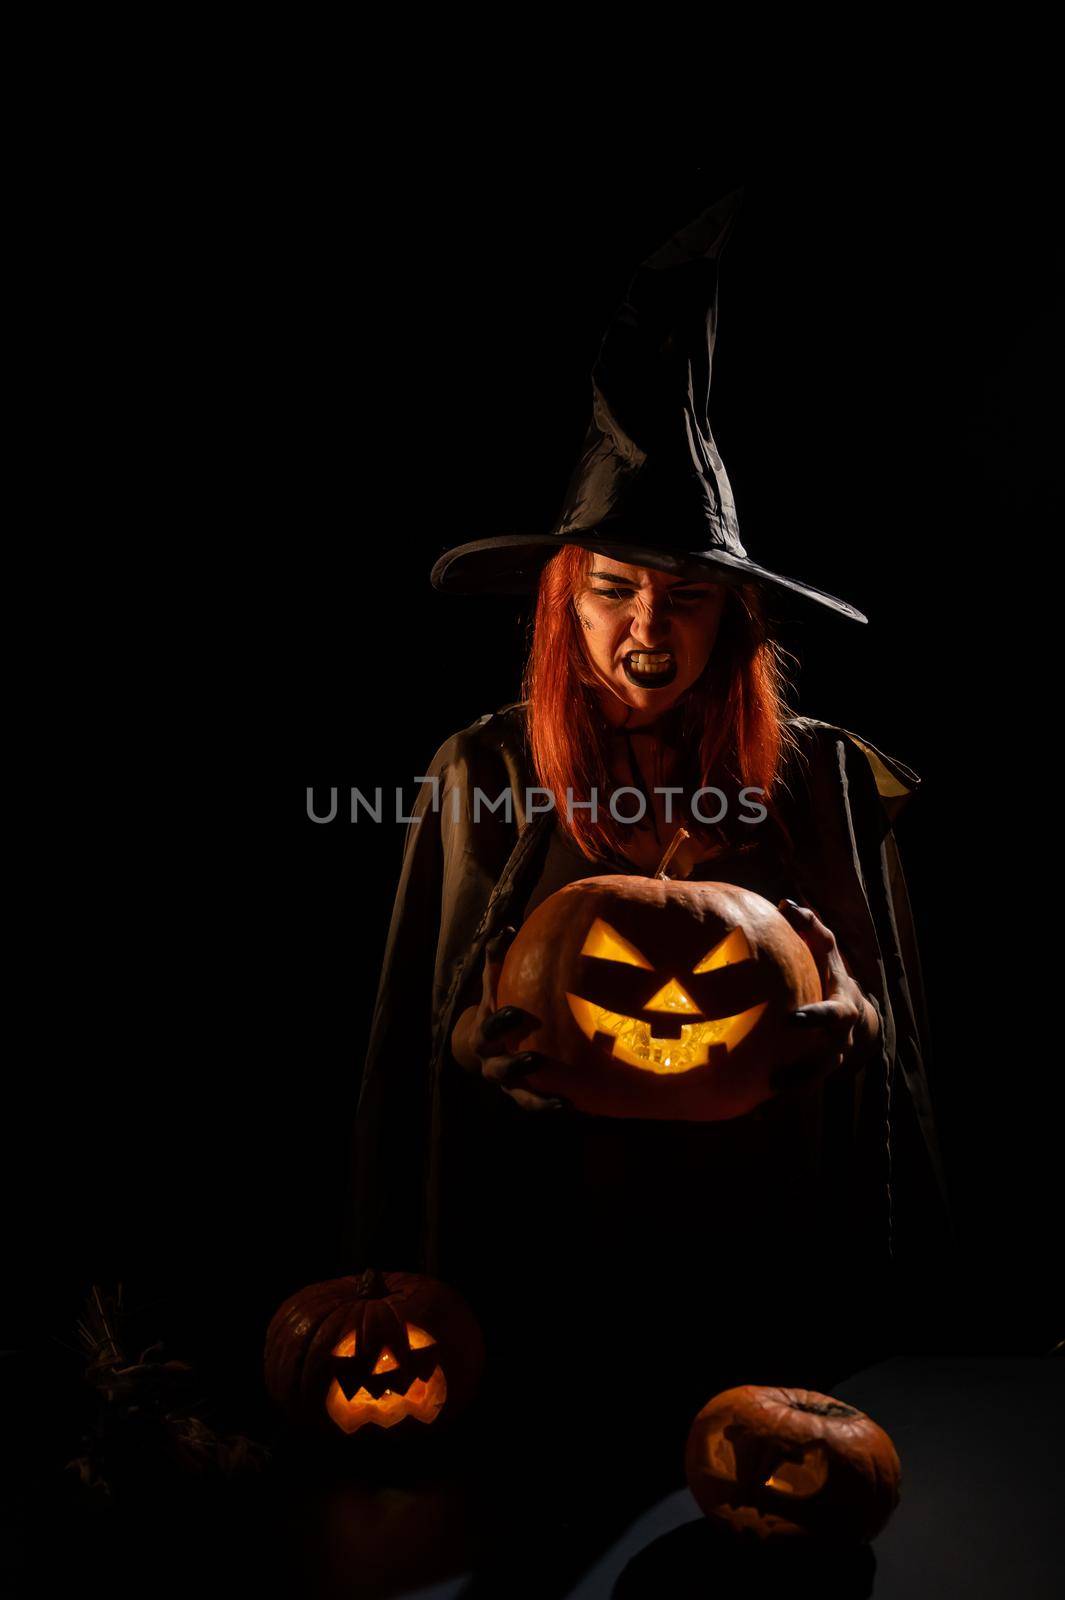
<point x="346" y="1347"/>
<point x="386" y="1362"/>
<point x="417" y="1338"/>
<point x="732" y="948"/>
<point x="603" y="943"/>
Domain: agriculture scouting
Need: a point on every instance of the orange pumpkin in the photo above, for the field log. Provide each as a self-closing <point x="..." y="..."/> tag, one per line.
<point x="781" y="1463"/>
<point x="659" y="998"/>
<point x="378" y="1351"/>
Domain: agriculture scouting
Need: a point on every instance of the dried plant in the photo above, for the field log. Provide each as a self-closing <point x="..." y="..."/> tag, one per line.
<point x="147" y="1428"/>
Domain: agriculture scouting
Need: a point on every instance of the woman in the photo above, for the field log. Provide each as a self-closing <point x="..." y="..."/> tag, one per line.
<point x="645" y="652"/>
<point x="651" y="668"/>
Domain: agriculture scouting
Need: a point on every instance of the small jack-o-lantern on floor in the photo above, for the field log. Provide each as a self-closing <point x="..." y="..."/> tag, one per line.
<point x="378" y="1352"/>
<point x="781" y="1463"/>
<point x="662" y="999"/>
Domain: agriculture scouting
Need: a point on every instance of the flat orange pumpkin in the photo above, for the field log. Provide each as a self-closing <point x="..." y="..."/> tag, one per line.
<point x="779" y="1464"/>
<point x="659" y="998"/>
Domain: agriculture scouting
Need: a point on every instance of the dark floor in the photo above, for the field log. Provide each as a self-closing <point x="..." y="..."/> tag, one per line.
<point x="579" y="1509"/>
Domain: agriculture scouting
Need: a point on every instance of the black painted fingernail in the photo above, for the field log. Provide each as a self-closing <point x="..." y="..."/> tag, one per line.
<point x="500" y="1021"/>
<point x="528" y="1058"/>
<point x="801" y="1016"/>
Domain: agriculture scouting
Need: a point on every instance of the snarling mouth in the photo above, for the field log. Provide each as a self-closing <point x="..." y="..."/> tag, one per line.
<point x="684" y="1046"/>
<point x="423" y="1400"/>
<point x="650" y="669"/>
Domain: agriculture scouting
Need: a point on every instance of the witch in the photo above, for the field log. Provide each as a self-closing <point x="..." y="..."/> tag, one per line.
<point x="757" y="1249"/>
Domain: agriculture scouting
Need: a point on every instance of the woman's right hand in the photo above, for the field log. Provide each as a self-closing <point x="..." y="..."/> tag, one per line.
<point x="484" y="1038"/>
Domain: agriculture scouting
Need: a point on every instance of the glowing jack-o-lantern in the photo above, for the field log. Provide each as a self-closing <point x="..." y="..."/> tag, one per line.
<point x="660" y="998"/>
<point x="378" y="1351"/>
<point x="781" y="1463"/>
<point x="354" y="1399"/>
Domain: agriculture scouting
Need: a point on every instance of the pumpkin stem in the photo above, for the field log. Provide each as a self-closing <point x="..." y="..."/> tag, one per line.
<point x="825" y="1408"/>
<point x="370" y="1285"/>
<point x="678" y="839"/>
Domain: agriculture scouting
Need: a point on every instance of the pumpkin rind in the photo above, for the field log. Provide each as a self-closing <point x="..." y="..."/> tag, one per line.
<point x="673" y="925"/>
<point x="748" y="1439"/>
<point x="299" y="1362"/>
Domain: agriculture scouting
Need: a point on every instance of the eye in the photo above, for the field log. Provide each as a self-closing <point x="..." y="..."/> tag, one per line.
<point x="800" y="1478"/>
<point x="386" y="1362"/>
<point x="346" y="1347"/>
<point x="417" y="1338"/>
<point x="722" y="1457"/>
<point x="606" y="945"/>
<point x="732" y="948"/>
<point x="612" y="594"/>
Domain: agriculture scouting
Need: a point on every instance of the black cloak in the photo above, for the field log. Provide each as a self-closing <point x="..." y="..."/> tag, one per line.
<point x="452" y="1178"/>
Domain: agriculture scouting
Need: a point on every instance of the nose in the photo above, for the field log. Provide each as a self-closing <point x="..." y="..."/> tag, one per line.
<point x="650" y="624"/>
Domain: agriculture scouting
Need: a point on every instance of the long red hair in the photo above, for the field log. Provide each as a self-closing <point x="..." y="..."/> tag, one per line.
<point x="732" y="729"/>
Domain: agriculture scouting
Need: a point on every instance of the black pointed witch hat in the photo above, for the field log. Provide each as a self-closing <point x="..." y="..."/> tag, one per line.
<point x="650" y="488"/>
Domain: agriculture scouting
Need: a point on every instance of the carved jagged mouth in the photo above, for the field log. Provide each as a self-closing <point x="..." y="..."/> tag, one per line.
<point x="423" y="1401"/>
<point x="632" y="1041"/>
<point x="749" y="1519"/>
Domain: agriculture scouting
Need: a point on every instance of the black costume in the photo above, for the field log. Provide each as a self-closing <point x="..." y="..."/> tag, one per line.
<point x="453" y="1178"/>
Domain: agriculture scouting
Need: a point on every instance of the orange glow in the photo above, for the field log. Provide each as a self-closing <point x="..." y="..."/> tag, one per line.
<point x="634" y="1043"/>
<point x="423" y="1401"/>
<point x="671" y="997"/>
<point x="637" y="1046"/>
<point x="605" y="944"/>
<point x="417" y="1338"/>
<point x="803" y="1477"/>
<point x="732" y="948"/>
<point x="346" y="1347"/>
<point x="386" y="1362"/>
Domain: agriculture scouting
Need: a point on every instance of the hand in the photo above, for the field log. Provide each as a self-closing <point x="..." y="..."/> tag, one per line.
<point x="845" y="1024"/>
<point x="483" y="1037"/>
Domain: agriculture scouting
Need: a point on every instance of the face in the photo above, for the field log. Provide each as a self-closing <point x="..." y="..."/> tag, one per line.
<point x="683" y="1022"/>
<point x="384" y="1386"/>
<point x="659" y="998"/>
<point x="648" y="635"/>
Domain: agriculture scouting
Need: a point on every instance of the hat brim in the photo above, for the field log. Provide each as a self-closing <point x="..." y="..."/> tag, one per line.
<point x="512" y="563"/>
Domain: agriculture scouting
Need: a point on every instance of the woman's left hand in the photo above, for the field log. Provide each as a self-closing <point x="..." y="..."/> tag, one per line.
<point x="845" y="1023"/>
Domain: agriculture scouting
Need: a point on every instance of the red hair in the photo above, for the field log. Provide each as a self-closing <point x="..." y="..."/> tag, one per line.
<point x="732" y="719"/>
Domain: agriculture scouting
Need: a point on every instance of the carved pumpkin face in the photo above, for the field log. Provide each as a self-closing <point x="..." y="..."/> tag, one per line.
<point x="661" y="998"/>
<point x="379" y="1351"/>
<point x="780" y="1463"/>
<point x="383" y="1385"/>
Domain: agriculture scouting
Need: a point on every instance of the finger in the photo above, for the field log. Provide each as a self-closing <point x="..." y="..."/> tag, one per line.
<point x="808" y="926"/>
<point x="528" y="1101"/>
<point x="835" y="1017"/>
<point x="507" y="1020"/>
<point x="511" y="1069"/>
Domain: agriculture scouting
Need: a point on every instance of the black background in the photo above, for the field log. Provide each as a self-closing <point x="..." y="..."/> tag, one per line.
<point x="295" y="385"/>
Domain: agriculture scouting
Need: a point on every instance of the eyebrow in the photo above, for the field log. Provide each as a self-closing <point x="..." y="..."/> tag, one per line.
<point x="681" y="583"/>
